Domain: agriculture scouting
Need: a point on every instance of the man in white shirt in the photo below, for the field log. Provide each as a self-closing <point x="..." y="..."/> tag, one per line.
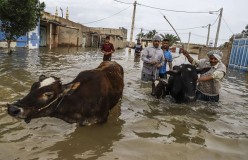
<point x="209" y="83"/>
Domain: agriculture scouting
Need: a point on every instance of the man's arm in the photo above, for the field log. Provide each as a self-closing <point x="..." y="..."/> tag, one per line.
<point x="144" y="56"/>
<point x="217" y="75"/>
<point x="161" y="63"/>
<point x="102" y="49"/>
<point x="186" y="54"/>
<point x="113" y="49"/>
<point x="170" y="60"/>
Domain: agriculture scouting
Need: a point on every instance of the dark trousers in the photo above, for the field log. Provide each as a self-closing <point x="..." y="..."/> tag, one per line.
<point x="107" y="57"/>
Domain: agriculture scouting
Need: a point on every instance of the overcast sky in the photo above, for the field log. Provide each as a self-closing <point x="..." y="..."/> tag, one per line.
<point x="234" y="17"/>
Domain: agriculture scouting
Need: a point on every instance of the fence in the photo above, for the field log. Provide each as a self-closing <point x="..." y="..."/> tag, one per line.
<point x="239" y="54"/>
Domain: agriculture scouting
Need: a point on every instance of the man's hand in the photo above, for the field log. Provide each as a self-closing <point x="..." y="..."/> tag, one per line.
<point x="158" y="65"/>
<point x="184" y="52"/>
<point x="107" y="53"/>
<point x="153" y="62"/>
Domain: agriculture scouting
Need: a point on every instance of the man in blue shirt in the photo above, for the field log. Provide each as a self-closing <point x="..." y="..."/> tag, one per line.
<point x="167" y="57"/>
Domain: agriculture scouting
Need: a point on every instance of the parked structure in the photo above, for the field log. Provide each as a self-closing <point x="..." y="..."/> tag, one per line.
<point x="54" y="31"/>
<point x="239" y="53"/>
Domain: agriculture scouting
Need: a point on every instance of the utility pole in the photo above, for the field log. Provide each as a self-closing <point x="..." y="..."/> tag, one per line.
<point x="188" y="41"/>
<point x="218" y="29"/>
<point x="208" y="34"/>
<point x="133" y="18"/>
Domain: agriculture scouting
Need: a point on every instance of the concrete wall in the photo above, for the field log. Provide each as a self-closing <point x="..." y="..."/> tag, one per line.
<point x="3" y="44"/>
<point x="117" y="36"/>
<point x="68" y="33"/>
<point x="226" y="53"/>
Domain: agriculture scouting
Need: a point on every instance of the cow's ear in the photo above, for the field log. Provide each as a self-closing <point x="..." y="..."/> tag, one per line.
<point x="69" y="89"/>
<point x="203" y="70"/>
<point x="173" y="73"/>
<point x="42" y="77"/>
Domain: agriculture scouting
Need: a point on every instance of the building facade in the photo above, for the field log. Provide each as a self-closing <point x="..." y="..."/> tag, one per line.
<point x="54" y="31"/>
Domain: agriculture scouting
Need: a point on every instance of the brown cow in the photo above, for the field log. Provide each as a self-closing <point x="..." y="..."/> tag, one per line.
<point x="86" y="100"/>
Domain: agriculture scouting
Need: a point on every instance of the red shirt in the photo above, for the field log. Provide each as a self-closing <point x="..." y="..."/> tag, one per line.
<point x="107" y="47"/>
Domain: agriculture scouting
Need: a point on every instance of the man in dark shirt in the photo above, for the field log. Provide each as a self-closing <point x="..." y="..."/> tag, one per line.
<point x="137" y="49"/>
<point x="107" y="49"/>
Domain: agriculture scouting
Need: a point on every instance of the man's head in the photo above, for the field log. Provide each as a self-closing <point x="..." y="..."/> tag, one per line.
<point x="156" y="41"/>
<point x="165" y="44"/>
<point x="215" y="56"/>
<point x="107" y="39"/>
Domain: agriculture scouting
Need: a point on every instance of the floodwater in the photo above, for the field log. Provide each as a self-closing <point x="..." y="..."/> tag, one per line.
<point x="140" y="127"/>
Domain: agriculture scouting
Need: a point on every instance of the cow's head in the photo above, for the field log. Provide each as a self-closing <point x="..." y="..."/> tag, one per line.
<point x="185" y="80"/>
<point x="159" y="88"/>
<point x="43" y="98"/>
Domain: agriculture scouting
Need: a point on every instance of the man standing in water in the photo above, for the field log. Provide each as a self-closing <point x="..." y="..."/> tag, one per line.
<point x="167" y="58"/>
<point x="137" y="49"/>
<point x="153" y="59"/>
<point x="209" y="83"/>
<point x="107" y="49"/>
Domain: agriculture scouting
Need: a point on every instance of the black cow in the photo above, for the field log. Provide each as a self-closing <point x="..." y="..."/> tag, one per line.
<point x="86" y="100"/>
<point x="181" y="84"/>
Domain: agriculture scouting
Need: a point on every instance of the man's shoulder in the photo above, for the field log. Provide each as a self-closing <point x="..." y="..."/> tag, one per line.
<point x="222" y="66"/>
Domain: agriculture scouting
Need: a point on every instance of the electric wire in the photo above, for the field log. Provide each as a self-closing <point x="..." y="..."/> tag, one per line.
<point x="227" y="25"/>
<point x="169" y="10"/>
<point x="107" y="17"/>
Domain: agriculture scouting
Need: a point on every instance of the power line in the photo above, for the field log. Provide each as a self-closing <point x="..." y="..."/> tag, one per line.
<point x="169" y="10"/>
<point x="215" y="20"/>
<point x="108" y="16"/>
<point x="177" y="29"/>
<point x="197" y="35"/>
<point x="172" y="10"/>
<point x="227" y="25"/>
<point x="123" y="2"/>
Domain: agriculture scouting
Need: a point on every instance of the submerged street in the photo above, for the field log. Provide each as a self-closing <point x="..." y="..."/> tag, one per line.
<point x="139" y="127"/>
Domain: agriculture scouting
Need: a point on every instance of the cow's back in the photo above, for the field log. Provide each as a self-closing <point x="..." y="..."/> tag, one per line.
<point x="100" y="90"/>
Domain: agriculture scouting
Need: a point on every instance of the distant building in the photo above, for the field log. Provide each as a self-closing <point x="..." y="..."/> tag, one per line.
<point x="54" y="31"/>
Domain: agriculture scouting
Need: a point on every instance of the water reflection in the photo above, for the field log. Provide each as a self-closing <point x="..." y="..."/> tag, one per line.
<point x="91" y="142"/>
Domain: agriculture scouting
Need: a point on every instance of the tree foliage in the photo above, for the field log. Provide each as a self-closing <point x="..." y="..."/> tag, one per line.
<point x="172" y="38"/>
<point x="150" y="34"/>
<point x="245" y="30"/>
<point x="19" y="17"/>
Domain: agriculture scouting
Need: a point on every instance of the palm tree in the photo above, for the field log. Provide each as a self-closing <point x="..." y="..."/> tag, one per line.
<point x="140" y="35"/>
<point x="172" y="38"/>
<point x="151" y="34"/>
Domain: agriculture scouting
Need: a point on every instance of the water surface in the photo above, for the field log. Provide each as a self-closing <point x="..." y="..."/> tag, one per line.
<point x="139" y="127"/>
